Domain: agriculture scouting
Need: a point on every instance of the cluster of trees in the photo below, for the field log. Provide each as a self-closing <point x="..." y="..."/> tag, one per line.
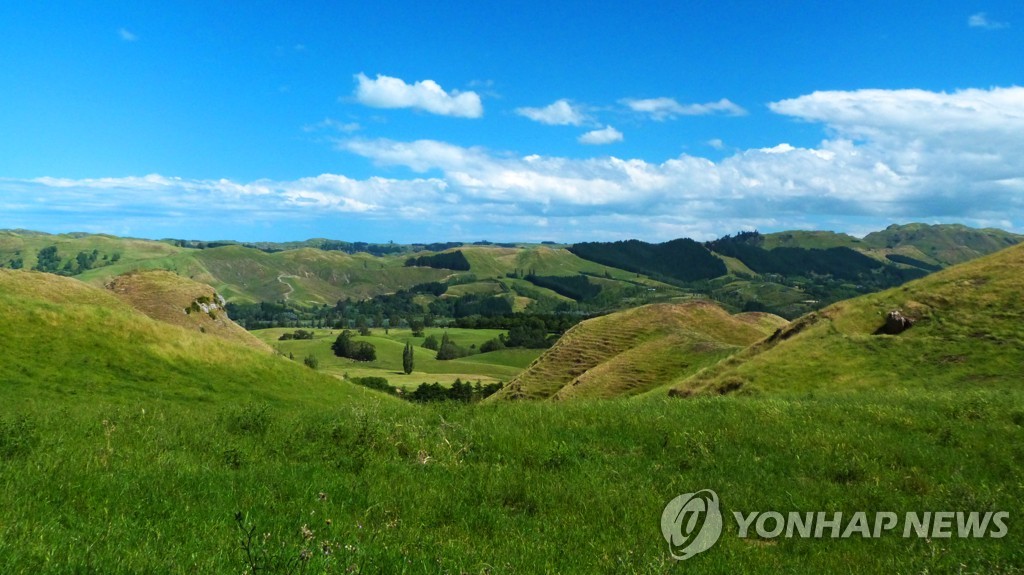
<point x="48" y="260"/>
<point x="297" y="334"/>
<point x="907" y="260"/>
<point x="578" y="287"/>
<point x="465" y="392"/>
<point x="679" y="260"/>
<point x="472" y="305"/>
<point x="459" y="391"/>
<point x="455" y="260"/>
<point x="344" y="346"/>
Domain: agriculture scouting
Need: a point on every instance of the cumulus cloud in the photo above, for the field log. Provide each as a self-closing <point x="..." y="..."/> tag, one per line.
<point x="606" y="135"/>
<point x="889" y="156"/>
<point x="559" y="113"/>
<point x="661" y="109"/>
<point x="981" y="20"/>
<point x="427" y="95"/>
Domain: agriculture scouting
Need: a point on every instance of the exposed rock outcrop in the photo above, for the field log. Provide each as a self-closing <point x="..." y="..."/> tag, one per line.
<point x="895" y="323"/>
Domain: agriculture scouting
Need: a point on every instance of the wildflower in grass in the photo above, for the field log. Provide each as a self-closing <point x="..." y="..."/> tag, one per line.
<point x="307" y="533"/>
<point x="321" y="496"/>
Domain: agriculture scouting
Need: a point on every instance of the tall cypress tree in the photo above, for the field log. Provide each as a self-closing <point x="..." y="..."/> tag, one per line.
<point x="407" y="358"/>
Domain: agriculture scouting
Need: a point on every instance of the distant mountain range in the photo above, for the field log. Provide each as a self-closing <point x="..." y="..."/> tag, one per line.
<point x="785" y="273"/>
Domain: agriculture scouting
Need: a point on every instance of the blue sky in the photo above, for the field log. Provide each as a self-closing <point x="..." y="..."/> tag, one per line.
<point x="525" y="121"/>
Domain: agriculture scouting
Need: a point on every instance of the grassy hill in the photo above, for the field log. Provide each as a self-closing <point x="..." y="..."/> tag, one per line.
<point x="969" y="332"/>
<point x="67" y="339"/>
<point x="173" y="299"/>
<point x="634" y="351"/>
<point x="786" y="273"/>
<point x="128" y="445"/>
<point x="944" y="244"/>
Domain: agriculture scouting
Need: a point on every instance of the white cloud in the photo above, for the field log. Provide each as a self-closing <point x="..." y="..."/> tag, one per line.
<point x="559" y="113"/>
<point x="890" y="156"/>
<point x="332" y="124"/>
<point x="981" y="20"/>
<point x="606" y="135"/>
<point x="427" y="95"/>
<point x="126" y="35"/>
<point x="661" y="109"/>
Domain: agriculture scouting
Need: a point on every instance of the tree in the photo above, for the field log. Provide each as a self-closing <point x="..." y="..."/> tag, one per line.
<point x="417" y="327"/>
<point x="431" y="343"/>
<point x="450" y="350"/>
<point x="311" y="362"/>
<point x="407" y="358"/>
<point x="343" y="346"/>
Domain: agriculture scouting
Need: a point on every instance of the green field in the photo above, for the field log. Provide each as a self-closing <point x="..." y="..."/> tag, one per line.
<point x="141" y="486"/>
<point x="130" y="444"/>
<point x="490" y="367"/>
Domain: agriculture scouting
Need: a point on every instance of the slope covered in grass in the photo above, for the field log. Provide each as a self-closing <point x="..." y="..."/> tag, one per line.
<point x="170" y="298"/>
<point x="969" y="332"/>
<point x="634" y="351"/>
<point x="66" y="340"/>
<point x="944" y="244"/>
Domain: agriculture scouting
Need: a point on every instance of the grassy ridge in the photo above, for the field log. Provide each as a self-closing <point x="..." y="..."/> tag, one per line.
<point x="634" y="351"/>
<point x="170" y="298"/>
<point x="969" y="332"/>
<point x="64" y="339"/>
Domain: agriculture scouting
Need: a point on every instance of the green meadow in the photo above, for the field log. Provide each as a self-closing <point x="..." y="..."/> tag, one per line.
<point x="374" y="485"/>
<point x="132" y="445"/>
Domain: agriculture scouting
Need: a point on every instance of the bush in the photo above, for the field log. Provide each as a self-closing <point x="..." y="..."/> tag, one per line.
<point x="431" y="343"/>
<point x="357" y="350"/>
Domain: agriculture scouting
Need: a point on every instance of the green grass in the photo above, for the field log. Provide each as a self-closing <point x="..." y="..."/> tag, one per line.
<point x="636" y="351"/>
<point x="969" y="333"/>
<point x="128" y="445"/>
<point x="500" y="488"/>
<point x="490" y="367"/>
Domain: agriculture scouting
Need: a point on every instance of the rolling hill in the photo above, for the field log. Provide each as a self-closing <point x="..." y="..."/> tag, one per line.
<point x="785" y="273"/>
<point x="968" y="331"/>
<point x="173" y="299"/>
<point x="634" y="351"/>
<point x="66" y="340"/>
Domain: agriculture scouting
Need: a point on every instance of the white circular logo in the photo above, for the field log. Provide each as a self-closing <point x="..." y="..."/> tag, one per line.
<point x="691" y="523"/>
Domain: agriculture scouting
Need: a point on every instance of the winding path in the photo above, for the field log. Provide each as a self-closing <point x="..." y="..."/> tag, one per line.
<point x="291" y="289"/>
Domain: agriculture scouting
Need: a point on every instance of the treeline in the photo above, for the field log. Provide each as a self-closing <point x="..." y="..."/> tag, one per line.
<point x="447" y="261"/>
<point x="840" y="262"/>
<point x="681" y="260"/>
<point x="578" y="287"/>
<point x="460" y="391"/>
<point x="49" y="260"/>
<point x="907" y="260"/>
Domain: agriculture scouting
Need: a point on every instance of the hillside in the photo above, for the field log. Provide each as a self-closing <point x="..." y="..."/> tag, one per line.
<point x="943" y="244"/>
<point x="65" y="339"/>
<point x="170" y="298"/>
<point x="968" y="332"/>
<point x="634" y="351"/>
<point x="785" y="273"/>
